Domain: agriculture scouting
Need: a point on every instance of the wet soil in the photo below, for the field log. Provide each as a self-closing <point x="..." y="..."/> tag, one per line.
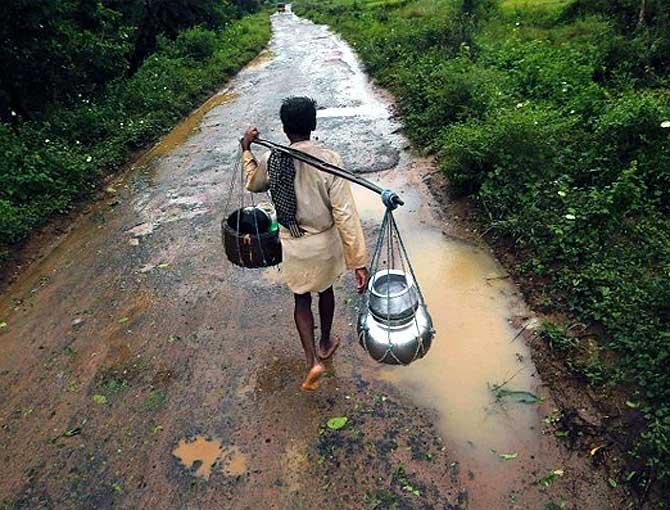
<point x="139" y="369"/>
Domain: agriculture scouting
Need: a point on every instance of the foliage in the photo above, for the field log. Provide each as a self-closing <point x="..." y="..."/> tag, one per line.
<point x="50" y="162"/>
<point x="555" y="119"/>
<point x="644" y="26"/>
<point x="57" y="51"/>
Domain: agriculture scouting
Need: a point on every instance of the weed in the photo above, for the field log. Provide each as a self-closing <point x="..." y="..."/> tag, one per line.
<point x="155" y="401"/>
<point x="115" y="384"/>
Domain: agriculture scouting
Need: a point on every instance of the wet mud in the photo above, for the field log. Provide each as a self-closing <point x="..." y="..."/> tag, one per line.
<point x="139" y="369"/>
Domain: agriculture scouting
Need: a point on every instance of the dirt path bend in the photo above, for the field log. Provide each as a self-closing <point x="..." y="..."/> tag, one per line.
<point x="139" y="370"/>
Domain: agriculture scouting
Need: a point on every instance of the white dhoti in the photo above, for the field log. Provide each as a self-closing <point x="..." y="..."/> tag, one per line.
<point x="312" y="263"/>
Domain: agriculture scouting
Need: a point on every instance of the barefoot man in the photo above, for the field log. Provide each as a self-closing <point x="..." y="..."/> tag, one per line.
<point x="320" y="229"/>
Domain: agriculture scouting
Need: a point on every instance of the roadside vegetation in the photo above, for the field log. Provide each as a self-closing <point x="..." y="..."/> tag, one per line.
<point x="554" y="116"/>
<point x="86" y="83"/>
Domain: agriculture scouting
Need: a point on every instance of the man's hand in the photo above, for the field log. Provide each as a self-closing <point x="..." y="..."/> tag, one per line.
<point x="362" y="276"/>
<point x="249" y="136"/>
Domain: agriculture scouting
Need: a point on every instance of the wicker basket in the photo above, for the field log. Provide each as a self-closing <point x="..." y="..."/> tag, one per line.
<point x="250" y="250"/>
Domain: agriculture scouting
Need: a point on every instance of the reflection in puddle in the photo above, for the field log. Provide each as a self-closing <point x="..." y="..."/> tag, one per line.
<point x="372" y="110"/>
<point x="201" y="452"/>
<point x="234" y="461"/>
<point x="204" y="454"/>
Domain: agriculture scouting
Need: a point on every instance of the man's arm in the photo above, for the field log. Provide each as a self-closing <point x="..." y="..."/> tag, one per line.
<point x="255" y="171"/>
<point x="348" y="224"/>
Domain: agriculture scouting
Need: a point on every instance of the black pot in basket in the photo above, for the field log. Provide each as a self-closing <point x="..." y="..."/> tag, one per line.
<point x="251" y="250"/>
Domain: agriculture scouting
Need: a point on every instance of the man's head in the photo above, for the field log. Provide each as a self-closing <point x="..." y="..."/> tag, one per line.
<point x="298" y="115"/>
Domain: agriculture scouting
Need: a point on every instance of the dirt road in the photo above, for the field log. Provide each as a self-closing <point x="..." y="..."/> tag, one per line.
<point x="138" y="369"/>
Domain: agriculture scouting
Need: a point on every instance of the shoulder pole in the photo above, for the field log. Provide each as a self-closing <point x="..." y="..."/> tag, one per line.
<point x="390" y="198"/>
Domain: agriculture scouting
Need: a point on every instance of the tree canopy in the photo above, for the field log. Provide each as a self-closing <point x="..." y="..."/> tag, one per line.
<point x="57" y="51"/>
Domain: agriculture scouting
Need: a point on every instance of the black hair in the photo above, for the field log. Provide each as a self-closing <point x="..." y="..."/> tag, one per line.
<point x="298" y="115"/>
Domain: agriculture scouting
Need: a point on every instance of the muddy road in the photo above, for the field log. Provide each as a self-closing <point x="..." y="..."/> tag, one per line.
<point x="138" y="369"/>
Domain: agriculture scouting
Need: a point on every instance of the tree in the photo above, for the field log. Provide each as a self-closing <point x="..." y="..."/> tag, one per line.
<point x="55" y="51"/>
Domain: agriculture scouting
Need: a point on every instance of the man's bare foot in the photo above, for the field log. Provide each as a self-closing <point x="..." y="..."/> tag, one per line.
<point x="327" y="351"/>
<point x="311" y="382"/>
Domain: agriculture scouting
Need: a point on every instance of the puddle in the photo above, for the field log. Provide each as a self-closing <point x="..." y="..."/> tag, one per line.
<point x="475" y="346"/>
<point x="201" y="452"/>
<point x="262" y="60"/>
<point x="184" y="129"/>
<point x="234" y="461"/>
<point x="204" y="454"/>
<point x="364" y="110"/>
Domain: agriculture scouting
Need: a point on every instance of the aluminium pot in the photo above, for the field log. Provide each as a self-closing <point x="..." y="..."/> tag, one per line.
<point x="392" y="296"/>
<point x="398" y="343"/>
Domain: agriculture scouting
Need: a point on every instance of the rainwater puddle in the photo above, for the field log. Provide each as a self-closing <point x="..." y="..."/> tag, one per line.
<point x="474" y="348"/>
<point x="184" y="129"/>
<point x="234" y="461"/>
<point x="201" y="452"/>
<point x="370" y="110"/>
<point x="205" y="454"/>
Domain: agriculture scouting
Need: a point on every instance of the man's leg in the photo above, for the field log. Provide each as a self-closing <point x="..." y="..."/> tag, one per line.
<point x="304" y="321"/>
<point x="327" y="345"/>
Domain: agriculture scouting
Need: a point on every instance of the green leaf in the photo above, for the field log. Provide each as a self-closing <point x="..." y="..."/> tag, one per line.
<point x="123" y="320"/>
<point x="99" y="399"/>
<point x="72" y="432"/>
<point x="3" y="325"/>
<point x="632" y="405"/>
<point x="412" y="490"/>
<point x="508" y="456"/>
<point x="612" y="483"/>
<point x="521" y="397"/>
<point x="551" y="477"/>
<point x="337" y="423"/>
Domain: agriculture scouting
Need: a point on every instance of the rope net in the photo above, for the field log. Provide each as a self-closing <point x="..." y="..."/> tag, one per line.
<point x="394" y="326"/>
<point x="247" y="243"/>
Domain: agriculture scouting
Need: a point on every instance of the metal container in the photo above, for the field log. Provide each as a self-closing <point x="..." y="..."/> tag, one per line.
<point x="250" y="250"/>
<point x="396" y="344"/>
<point x="392" y="296"/>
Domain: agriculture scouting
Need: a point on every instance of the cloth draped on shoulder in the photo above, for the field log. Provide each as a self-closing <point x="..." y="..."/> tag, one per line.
<point x="281" y="173"/>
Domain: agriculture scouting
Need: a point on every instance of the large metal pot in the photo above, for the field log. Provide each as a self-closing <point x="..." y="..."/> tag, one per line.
<point x="399" y="343"/>
<point x="393" y="296"/>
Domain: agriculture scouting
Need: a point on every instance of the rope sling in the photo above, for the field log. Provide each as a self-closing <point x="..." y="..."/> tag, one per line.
<point x="254" y="247"/>
<point x="394" y="326"/>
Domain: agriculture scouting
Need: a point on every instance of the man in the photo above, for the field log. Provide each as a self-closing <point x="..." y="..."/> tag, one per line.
<point x="320" y="229"/>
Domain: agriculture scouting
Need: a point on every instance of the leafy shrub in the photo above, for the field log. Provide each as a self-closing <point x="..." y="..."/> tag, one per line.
<point x="196" y="43"/>
<point x="545" y="119"/>
<point x="520" y="144"/>
<point x="48" y="164"/>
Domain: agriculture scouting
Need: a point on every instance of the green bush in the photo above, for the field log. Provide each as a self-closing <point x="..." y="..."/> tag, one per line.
<point x="196" y="43"/>
<point x="553" y="122"/>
